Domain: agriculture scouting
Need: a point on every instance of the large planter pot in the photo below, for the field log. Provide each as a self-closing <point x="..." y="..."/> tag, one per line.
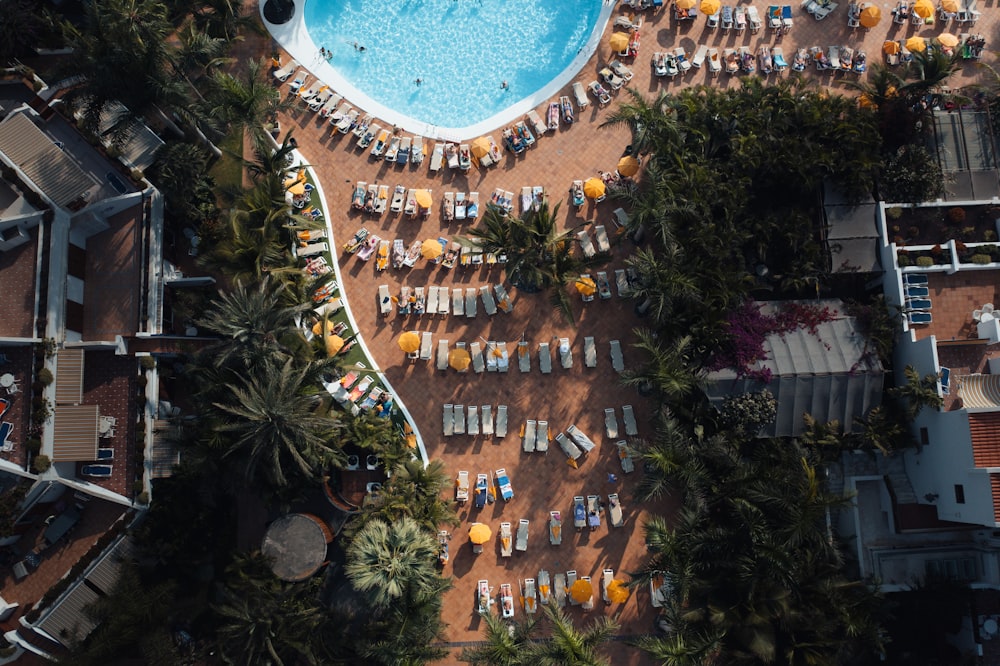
<point x="279" y="11"/>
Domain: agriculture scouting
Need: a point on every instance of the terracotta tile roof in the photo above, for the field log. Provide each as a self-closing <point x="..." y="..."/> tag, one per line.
<point x="984" y="428"/>
<point x="995" y="489"/>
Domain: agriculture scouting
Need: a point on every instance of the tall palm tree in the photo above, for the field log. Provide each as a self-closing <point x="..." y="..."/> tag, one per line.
<point x="505" y="644"/>
<point x="569" y="646"/>
<point x="918" y="392"/>
<point x="668" y="370"/>
<point x="388" y="562"/>
<point x="244" y="101"/>
<point x="653" y="125"/>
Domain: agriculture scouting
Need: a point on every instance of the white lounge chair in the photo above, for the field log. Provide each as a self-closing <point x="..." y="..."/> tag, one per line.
<point x="570" y="579"/>
<point x="487" y="411"/>
<point x="417" y="155"/>
<point x="470" y="302"/>
<point x="610" y="423"/>
<point x="449" y="420"/>
<point x="625" y="457"/>
<point x="523" y="357"/>
<point x="589" y="352"/>
<point x="312" y="249"/>
<point x="458" y="301"/>
<point x="528" y="436"/>
<point x="501" y="421"/>
<point x="442" y="355"/>
<point x="444" y="302"/>
<point x="426" y="342"/>
<point x="459" y="412"/>
<point x="522" y="535"/>
<point x="432" y="303"/>
<point x="565" y="353"/>
<point x="473" y="424"/>
<point x="462" y="487"/>
<point x="630" y="425"/>
<point x="506" y="540"/>
<point x="555" y="528"/>
<point x="542" y="437"/>
<point x="581" y="439"/>
<point x="488" y="303"/>
<point x="478" y="363"/>
<point x="282" y="73"/>
<point x="580" y="95"/>
<point x="544" y="358"/>
<point x="607" y="576"/>
<point x="503" y="361"/>
<point x="586" y="243"/>
<point x="559" y="590"/>
<point x="571" y="450"/>
<point x="617" y="360"/>
<point x="503" y="299"/>
<point x="603" y="244"/>
<point x="615" y="510"/>
<point x="437" y="157"/>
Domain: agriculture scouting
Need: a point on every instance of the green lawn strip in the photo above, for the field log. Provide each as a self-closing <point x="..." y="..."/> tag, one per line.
<point x="228" y="169"/>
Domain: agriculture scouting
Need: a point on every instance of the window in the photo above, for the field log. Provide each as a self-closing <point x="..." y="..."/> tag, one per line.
<point x="959" y="493"/>
<point x="925" y="437"/>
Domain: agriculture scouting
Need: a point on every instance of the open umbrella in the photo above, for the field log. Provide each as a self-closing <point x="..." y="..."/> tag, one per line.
<point x="916" y="44"/>
<point x="890" y="47"/>
<point x="923" y="9"/>
<point x="480" y="146"/>
<point x="617" y="592"/>
<point x="317" y="328"/>
<point x="685" y="4"/>
<point x="334" y="344"/>
<point x="949" y="6"/>
<point x="459" y="359"/>
<point x="298" y="189"/>
<point x="409" y="342"/>
<point x="594" y="188"/>
<point x="870" y="16"/>
<point x="581" y="590"/>
<point x="618" y="41"/>
<point x="628" y="166"/>
<point x="430" y="249"/>
<point x="947" y="39"/>
<point x="586" y="286"/>
<point x="423" y="198"/>
<point x="479" y="533"/>
<point x="710" y="7"/>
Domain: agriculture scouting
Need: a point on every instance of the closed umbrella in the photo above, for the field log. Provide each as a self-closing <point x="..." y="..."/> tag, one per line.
<point x="870" y="16"/>
<point x="423" y="198"/>
<point x="947" y="39"/>
<point x="334" y="344"/>
<point x="409" y="342"/>
<point x="430" y="249"/>
<point x="949" y="6"/>
<point x="628" y="166"/>
<point x="581" y="591"/>
<point x="479" y="533"/>
<point x="586" y="286"/>
<point x="685" y="4"/>
<point x="923" y="9"/>
<point x="916" y="44"/>
<point x="710" y="7"/>
<point x="480" y="146"/>
<point x="594" y="188"/>
<point x="617" y="592"/>
<point x="618" y="41"/>
<point x="459" y="359"/>
<point x="890" y="47"/>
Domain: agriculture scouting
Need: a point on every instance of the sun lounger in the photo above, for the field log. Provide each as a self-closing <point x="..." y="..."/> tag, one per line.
<point x="571" y="450"/>
<point x="593" y="511"/>
<point x="542" y="437"/>
<point x="621" y="281"/>
<point x="444" y="301"/>
<point x="607" y="576"/>
<point x="504" y="485"/>
<point x="503" y="361"/>
<point x="589" y="352"/>
<point x="536" y="122"/>
<point x="459" y="412"/>
<point x="559" y="590"/>
<point x="398" y="198"/>
<point x="432" y="300"/>
<point x="460" y="206"/>
<point x="625" y="457"/>
<point x="481" y="490"/>
<point x="426" y="343"/>
<point x="603" y="244"/>
<point x="617" y="360"/>
<point x="919" y="317"/>
<point x="420" y="301"/>
<point x="368" y="137"/>
<point x="320" y="100"/>
<point x="312" y="249"/>
<point x="488" y="303"/>
<point x="487" y="412"/>
<point x="615" y="510"/>
<point x="506" y="601"/>
<point x="462" y="487"/>
<point x="544" y="358"/>
<point x="483" y="600"/>
<point x="630" y="426"/>
<point x="501" y="428"/>
<point x="404" y="150"/>
<point x="565" y="353"/>
<point x="361" y="128"/>
<point x="579" y="513"/>
<point x="448" y="207"/>
<point x="393" y="149"/>
<point x="598" y="91"/>
<point x="296" y="84"/>
<point x="413" y="253"/>
<point x="384" y="300"/>
<point x="437" y="157"/>
<point x="309" y="93"/>
<point x="417" y="154"/>
<point x="449" y="420"/>
<point x="360" y="389"/>
<point x="442" y="355"/>
<point x="457" y="301"/>
<point x="528" y="436"/>
<point x="586" y="243"/>
<point x="282" y="73"/>
<point x="714" y="61"/>
<point x="580" y="439"/>
<point x="522" y="535"/>
<point x="555" y="528"/>
<point x="473" y="427"/>
<point x="523" y="357"/>
<point x="470" y="302"/>
<point x="610" y="423"/>
<point x="506" y="540"/>
<point x="411" y="203"/>
<point x="345" y="124"/>
<point x="580" y="95"/>
<point x="96" y="471"/>
<point x="503" y="300"/>
<point x="478" y="363"/>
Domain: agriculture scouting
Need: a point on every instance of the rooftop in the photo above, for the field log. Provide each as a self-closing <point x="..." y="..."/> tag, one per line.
<point x="18" y="270"/>
<point x="113" y="279"/>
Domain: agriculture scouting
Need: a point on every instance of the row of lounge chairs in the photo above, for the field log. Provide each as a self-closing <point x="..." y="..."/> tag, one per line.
<point x="603" y="242"/>
<point x="611" y="422"/>
<point x="358" y="393"/>
<point x="443" y="301"/>
<point x="839" y="59"/>
<point x="460" y="206"/>
<point x="565" y="353"/>
<point x="323" y="100"/>
<point x="542" y="591"/>
<point x="474" y="420"/>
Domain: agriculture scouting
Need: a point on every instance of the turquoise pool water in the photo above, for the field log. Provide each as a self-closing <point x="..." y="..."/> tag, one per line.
<point x="460" y="50"/>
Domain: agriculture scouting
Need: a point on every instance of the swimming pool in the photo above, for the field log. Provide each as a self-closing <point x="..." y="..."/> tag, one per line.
<point x="461" y="51"/>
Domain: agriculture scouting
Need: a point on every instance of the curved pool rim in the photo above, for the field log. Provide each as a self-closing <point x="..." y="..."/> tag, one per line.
<point x="294" y="38"/>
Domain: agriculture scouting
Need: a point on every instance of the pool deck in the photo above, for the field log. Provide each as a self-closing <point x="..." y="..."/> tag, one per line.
<point x="578" y="395"/>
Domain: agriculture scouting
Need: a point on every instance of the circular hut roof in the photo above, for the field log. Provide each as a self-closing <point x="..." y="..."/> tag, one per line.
<point x="296" y="544"/>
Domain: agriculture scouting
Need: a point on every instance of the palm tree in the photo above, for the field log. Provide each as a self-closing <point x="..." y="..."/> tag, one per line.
<point x="505" y="644"/>
<point x="389" y="562"/>
<point x="653" y="125"/>
<point x="569" y="646"/>
<point x="244" y="101"/>
<point x="668" y="370"/>
<point x="917" y="392"/>
<point x="420" y="488"/>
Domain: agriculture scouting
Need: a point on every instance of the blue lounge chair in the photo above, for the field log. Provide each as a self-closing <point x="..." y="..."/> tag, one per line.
<point x="918" y="303"/>
<point x="919" y="317"/>
<point x="915" y="278"/>
<point x="97" y="471"/>
<point x="105" y="454"/>
<point x="913" y="291"/>
<point x="5" y="430"/>
<point x="945" y="380"/>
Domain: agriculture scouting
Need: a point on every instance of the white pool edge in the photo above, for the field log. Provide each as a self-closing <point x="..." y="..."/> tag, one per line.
<point x="294" y="38"/>
<point x="328" y="216"/>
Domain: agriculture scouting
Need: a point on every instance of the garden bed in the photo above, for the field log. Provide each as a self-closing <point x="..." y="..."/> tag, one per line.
<point x="934" y="225"/>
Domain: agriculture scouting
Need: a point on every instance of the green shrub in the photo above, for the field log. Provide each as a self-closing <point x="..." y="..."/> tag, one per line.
<point x="142" y="498"/>
<point x="41" y="464"/>
<point x="45" y="377"/>
<point x="894" y="213"/>
<point x="903" y="260"/>
<point x="925" y="262"/>
<point x="981" y="259"/>
<point x="147" y="362"/>
<point x="989" y="235"/>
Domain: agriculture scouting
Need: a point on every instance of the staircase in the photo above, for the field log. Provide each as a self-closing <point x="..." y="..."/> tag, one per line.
<point x="895" y="473"/>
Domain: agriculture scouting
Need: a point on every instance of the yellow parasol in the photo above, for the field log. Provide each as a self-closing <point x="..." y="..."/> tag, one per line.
<point x="685" y="4"/>
<point x="618" y="41"/>
<point x="334" y="344"/>
<point x="594" y="188"/>
<point x="949" y="6"/>
<point x="870" y="16"/>
<point x="923" y="9"/>
<point x="948" y="40"/>
<point x="586" y="286"/>
<point x="409" y="342"/>
<point x="459" y="359"/>
<point x="411" y="437"/>
<point x="916" y="44"/>
<point x="890" y="47"/>
<point x="572" y="463"/>
<point x="430" y="249"/>
<point x="628" y="166"/>
<point x="581" y="590"/>
<point x="710" y="7"/>
<point x="479" y="533"/>
<point x="617" y="592"/>
<point x="298" y="189"/>
<point x="480" y="146"/>
<point x="423" y="198"/>
<point x="317" y="328"/>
